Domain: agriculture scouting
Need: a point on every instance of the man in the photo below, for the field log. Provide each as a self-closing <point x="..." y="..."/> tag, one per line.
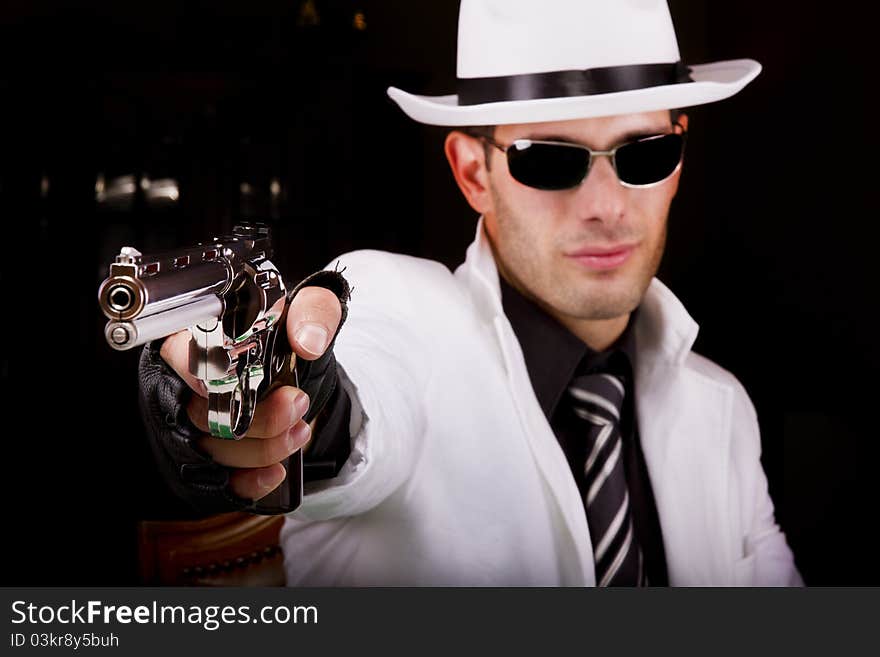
<point x="537" y="417"/>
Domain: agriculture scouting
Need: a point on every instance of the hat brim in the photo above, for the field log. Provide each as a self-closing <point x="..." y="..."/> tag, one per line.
<point x="711" y="82"/>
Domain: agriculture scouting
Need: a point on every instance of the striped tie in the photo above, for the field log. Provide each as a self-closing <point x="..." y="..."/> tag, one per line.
<point x="598" y="398"/>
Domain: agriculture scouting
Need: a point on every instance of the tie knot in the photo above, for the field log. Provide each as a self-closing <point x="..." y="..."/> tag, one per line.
<point x="600" y="394"/>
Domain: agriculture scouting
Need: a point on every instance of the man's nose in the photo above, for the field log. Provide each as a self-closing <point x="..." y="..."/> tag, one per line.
<point x="601" y="197"/>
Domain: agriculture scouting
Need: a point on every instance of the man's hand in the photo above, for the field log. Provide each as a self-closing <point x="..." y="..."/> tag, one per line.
<point x="277" y="429"/>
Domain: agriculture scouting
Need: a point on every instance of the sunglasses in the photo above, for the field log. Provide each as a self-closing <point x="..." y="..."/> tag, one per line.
<point x="555" y="165"/>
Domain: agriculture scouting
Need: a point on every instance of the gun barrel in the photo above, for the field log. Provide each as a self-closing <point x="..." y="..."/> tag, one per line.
<point x="126" y="296"/>
<point x="124" y="335"/>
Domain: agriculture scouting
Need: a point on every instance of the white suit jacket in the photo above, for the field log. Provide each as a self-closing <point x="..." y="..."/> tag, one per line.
<point x="456" y="478"/>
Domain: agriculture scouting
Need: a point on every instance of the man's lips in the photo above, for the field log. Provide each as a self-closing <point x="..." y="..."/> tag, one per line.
<point x="602" y="258"/>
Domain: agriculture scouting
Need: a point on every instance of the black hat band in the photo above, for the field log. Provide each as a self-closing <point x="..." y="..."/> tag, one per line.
<point x="560" y="84"/>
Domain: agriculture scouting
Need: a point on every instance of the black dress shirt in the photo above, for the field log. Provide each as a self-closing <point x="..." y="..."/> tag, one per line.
<point x="554" y="356"/>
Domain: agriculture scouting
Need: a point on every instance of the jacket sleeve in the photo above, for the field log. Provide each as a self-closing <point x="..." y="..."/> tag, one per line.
<point x="384" y="363"/>
<point x="767" y="560"/>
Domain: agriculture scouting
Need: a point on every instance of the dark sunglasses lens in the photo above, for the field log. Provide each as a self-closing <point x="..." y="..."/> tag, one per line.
<point x="548" y="166"/>
<point x="649" y="161"/>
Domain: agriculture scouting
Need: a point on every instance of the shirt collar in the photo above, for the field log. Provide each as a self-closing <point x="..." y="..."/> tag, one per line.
<point x="554" y="355"/>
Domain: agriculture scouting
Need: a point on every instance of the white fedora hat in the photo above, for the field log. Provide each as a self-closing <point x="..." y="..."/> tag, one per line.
<point x="523" y="61"/>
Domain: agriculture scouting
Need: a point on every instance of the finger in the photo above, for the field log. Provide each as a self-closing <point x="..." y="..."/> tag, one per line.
<point x="175" y="352"/>
<point x="278" y="412"/>
<point x="256" y="452"/>
<point x="312" y="321"/>
<point x="197" y="409"/>
<point x="258" y="482"/>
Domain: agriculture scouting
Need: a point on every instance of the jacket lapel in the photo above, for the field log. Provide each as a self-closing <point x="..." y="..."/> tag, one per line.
<point x="480" y="275"/>
<point x="684" y="426"/>
<point x="548" y="455"/>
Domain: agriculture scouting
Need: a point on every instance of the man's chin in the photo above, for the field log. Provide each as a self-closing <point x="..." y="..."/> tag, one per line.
<point x="602" y="304"/>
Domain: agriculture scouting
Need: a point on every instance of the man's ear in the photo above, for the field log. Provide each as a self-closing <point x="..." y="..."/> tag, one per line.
<point x="683" y="121"/>
<point x="467" y="159"/>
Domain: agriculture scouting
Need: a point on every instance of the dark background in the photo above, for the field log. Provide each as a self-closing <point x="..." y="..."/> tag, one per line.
<point x="771" y="247"/>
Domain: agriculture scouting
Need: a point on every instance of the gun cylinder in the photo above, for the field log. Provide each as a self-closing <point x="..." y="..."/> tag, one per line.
<point x="128" y="335"/>
<point x="127" y="297"/>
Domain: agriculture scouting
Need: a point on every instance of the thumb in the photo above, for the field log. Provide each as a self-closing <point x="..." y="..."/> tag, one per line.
<point x="312" y="321"/>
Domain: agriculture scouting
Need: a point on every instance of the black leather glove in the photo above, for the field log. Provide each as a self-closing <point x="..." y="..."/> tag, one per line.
<point x="191" y="473"/>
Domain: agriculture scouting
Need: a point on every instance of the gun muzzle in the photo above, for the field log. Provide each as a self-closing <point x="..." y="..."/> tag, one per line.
<point x="127" y="296"/>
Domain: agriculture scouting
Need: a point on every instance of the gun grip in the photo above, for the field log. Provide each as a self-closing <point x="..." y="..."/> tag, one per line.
<point x="288" y="496"/>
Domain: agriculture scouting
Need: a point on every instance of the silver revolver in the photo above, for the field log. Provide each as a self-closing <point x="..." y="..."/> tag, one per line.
<point x="233" y="301"/>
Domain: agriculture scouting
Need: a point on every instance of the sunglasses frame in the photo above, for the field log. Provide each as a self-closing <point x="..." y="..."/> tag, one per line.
<point x="521" y="144"/>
